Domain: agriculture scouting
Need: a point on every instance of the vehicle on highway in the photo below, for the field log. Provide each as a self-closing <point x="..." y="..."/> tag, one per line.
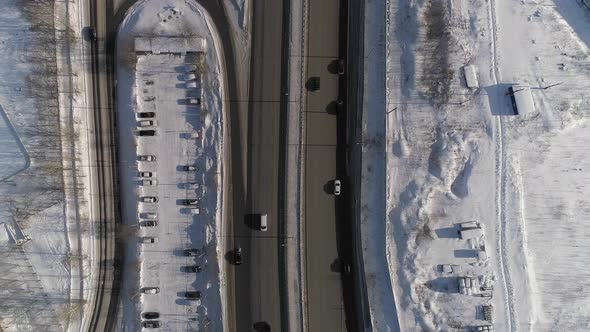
<point x="151" y="324"/>
<point x="341" y="67"/>
<point x="337" y="187"/>
<point x="145" y="174"/>
<point x="192" y="252"/>
<point x="190" y="201"/>
<point x="91" y="31"/>
<point x="147" y="183"/>
<point x="195" y="269"/>
<point x="340" y="106"/>
<point x="150" y="315"/>
<point x="313" y="84"/>
<point x="192" y="295"/>
<point x="194" y="101"/>
<point x="262" y="222"/>
<point x="149" y="240"/>
<point x="148" y="215"/>
<point x="146" y="133"/>
<point x="144" y="115"/>
<point x="151" y="290"/>
<point x="238" y="256"/>
<point x="148" y="223"/>
<point x="147" y="123"/>
<point x="189" y="168"/>
<point x="191" y="185"/>
<point x="149" y="199"/>
<point x="146" y="157"/>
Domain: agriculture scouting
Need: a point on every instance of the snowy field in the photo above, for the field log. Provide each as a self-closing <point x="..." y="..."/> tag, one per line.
<point x="186" y="134"/>
<point x="457" y="154"/>
<point x="44" y="230"/>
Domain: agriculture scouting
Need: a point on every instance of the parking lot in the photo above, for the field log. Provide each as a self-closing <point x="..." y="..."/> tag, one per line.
<point x="174" y="172"/>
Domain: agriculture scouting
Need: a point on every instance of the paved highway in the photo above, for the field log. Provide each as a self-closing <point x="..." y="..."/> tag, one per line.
<point x="323" y="268"/>
<point x="257" y="281"/>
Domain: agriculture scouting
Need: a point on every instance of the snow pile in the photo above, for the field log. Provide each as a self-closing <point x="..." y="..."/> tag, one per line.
<point x="457" y="154"/>
<point x="171" y="85"/>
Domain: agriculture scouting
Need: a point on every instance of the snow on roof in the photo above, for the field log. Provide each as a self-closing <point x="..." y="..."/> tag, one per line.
<point x="471" y="76"/>
<point x="523" y="99"/>
<point x="470" y="233"/>
<point x="159" y="45"/>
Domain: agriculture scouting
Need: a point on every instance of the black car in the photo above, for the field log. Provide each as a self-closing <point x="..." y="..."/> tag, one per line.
<point x="152" y="324"/>
<point x="150" y="315"/>
<point x="313" y="84"/>
<point x="149" y="223"/>
<point x="195" y="269"/>
<point x="238" y="256"/>
<point x="192" y="252"/>
<point x="146" y="132"/>
<point x="341" y="67"/>
<point x="190" y="201"/>
<point x="144" y="115"/>
<point x="91" y="31"/>
<point x="192" y="295"/>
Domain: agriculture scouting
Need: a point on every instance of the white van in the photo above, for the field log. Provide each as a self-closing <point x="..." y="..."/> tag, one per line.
<point x="263" y="222"/>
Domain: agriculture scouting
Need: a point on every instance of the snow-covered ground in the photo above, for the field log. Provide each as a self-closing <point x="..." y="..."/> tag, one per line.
<point x="456" y="154"/>
<point x="43" y="187"/>
<point x="161" y="83"/>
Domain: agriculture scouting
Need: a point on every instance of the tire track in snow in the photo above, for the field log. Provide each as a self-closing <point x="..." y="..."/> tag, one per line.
<point x="501" y="182"/>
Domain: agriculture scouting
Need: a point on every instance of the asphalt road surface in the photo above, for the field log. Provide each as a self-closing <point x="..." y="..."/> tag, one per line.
<point x="323" y="269"/>
<point x="257" y="280"/>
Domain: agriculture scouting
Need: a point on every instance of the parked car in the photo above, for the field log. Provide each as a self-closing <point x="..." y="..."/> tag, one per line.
<point x="151" y="324"/>
<point x="146" y="157"/>
<point x="195" y="211"/>
<point x="191" y="185"/>
<point x="238" y="256"/>
<point x="192" y="295"/>
<point x="150" y="315"/>
<point x="149" y="199"/>
<point x="190" y="201"/>
<point x="148" y="223"/>
<point x="151" y="290"/>
<point x="150" y="240"/>
<point x="147" y="183"/>
<point x="337" y="187"/>
<point x="195" y="269"/>
<point x="148" y="215"/>
<point x="147" y="123"/>
<point x="145" y="174"/>
<point x="192" y="252"/>
<point x="189" y="168"/>
<point x="146" y="133"/>
<point x="194" y="101"/>
<point x="144" y="115"/>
